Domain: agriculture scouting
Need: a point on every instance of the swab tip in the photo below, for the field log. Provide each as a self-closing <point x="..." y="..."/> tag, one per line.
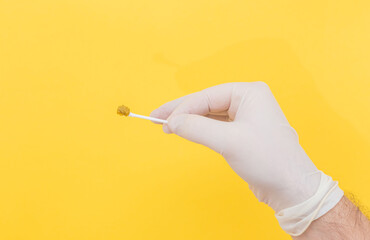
<point x="123" y="110"/>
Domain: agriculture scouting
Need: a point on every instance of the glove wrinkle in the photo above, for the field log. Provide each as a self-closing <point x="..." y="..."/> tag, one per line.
<point x="296" y="219"/>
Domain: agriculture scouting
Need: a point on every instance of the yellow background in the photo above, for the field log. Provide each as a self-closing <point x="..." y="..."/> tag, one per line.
<point x="70" y="168"/>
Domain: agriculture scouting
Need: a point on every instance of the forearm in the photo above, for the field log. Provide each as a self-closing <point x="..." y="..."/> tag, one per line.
<point x="344" y="221"/>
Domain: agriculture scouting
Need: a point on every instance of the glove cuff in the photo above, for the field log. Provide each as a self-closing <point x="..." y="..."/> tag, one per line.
<point x="295" y="220"/>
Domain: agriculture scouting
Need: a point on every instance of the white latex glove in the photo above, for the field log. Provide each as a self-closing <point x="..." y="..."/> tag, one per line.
<point x="244" y="123"/>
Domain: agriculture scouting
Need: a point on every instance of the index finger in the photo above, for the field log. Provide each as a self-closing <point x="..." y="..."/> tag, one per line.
<point x="213" y="99"/>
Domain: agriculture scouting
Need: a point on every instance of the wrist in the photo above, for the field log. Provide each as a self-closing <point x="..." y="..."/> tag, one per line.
<point x="344" y="221"/>
<point x="296" y="219"/>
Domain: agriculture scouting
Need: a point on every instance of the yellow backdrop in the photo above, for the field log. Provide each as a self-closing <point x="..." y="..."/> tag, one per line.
<point x="71" y="169"/>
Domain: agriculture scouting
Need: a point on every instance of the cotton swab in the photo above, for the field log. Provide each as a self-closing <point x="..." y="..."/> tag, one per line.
<point x="125" y="111"/>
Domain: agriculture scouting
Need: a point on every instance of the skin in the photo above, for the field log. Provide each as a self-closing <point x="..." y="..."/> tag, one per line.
<point x="344" y="221"/>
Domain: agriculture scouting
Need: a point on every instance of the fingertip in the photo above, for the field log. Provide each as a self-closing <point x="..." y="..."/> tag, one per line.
<point x="175" y="122"/>
<point x="154" y="113"/>
<point x="166" y="129"/>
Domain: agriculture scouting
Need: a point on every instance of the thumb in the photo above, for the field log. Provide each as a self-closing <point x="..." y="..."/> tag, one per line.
<point x="199" y="129"/>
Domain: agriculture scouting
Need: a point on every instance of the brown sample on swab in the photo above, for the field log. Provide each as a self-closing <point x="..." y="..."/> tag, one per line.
<point x="123" y="110"/>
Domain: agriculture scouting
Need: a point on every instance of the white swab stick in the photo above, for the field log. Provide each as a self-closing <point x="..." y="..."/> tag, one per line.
<point x="149" y="118"/>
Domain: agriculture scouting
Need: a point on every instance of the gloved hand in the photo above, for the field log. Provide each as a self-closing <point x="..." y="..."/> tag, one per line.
<point x="244" y="123"/>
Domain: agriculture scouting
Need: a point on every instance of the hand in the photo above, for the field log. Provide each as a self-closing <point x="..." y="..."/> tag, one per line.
<point x="244" y="123"/>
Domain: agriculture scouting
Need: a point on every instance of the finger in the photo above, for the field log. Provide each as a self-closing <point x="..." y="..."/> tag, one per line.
<point x="213" y="99"/>
<point x="199" y="129"/>
<point x="223" y="116"/>
<point x="164" y="111"/>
